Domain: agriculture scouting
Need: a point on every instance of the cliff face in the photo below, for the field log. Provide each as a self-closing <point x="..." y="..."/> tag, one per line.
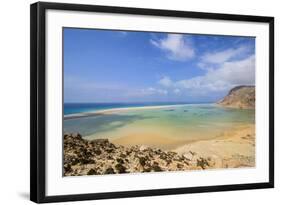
<point x="242" y="97"/>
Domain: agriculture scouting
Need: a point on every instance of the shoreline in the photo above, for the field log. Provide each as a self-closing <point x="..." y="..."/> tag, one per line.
<point x="235" y="107"/>
<point x="119" y="110"/>
<point x="174" y="143"/>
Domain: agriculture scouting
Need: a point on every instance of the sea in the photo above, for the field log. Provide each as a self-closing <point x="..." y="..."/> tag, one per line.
<point x="185" y="121"/>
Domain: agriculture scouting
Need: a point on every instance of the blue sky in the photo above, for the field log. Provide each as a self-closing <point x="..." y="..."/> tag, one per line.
<point x="119" y="66"/>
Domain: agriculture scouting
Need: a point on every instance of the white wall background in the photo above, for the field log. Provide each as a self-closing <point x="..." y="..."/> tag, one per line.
<point x="14" y="100"/>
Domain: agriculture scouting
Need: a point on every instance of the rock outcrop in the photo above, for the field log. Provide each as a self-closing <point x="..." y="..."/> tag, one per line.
<point x="242" y="97"/>
<point x="95" y="157"/>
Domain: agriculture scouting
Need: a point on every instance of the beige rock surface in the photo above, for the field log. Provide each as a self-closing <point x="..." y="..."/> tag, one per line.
<point x="240" y="97"/>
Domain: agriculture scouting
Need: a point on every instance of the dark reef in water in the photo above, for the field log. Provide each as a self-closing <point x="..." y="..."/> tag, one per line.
<point x="171" y="110"/>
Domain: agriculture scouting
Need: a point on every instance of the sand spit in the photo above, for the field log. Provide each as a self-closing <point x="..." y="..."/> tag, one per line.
<point x="118" y="110"/>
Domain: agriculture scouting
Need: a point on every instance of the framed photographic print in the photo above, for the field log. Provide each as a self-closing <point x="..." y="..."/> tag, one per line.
<point x="129" y="102"/>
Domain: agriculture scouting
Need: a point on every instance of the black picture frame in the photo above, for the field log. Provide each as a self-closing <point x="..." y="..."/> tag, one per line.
<point x="38" y="103"/>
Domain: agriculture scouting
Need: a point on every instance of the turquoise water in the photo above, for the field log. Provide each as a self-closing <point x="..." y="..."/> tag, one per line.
<point x="185" y="122"/>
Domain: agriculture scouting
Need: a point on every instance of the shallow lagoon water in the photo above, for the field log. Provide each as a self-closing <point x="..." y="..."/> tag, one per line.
<point x="185" y="122"/>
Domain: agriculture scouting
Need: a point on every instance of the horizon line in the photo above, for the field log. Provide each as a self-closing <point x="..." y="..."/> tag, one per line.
<point x="181" y="102"/>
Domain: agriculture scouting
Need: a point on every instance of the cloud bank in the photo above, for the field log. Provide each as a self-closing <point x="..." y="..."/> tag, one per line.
<point x="176" y="47"/>
<point x="223" y="56"/>
<point x="228" y="75"/>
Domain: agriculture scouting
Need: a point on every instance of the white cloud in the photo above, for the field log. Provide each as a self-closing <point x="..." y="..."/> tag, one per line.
<point x="177" y="47"/>
<point x="226" y="76"/>
<point x="205" y="66"/>
<point x="177" y="91"/>
<point x="153" y="91"/>
<point x="223" y="56"/>
<point x="165" y="81"/>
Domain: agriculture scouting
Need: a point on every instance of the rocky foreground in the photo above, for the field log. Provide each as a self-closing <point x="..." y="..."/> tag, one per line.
<point x="95" y="157"/>
<point x="242" y="97"/>
<point x="98" y="157"/>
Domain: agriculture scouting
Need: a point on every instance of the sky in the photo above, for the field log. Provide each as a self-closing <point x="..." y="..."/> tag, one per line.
<point x="125" y="66"/>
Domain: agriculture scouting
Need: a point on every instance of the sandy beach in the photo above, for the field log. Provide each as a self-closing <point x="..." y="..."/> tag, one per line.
<point x="235" y="148"/>
<point x="232" y="148"/>
<point x="150" y="139"/>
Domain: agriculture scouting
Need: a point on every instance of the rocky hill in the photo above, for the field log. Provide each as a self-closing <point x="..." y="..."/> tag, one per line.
<point x="242" y="97"/>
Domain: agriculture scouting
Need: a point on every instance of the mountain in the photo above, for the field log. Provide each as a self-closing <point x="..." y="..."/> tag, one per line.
<point x="242" y="97"/>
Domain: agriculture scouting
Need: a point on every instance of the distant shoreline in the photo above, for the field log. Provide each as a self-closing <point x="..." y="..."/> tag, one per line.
<point x="118" y="110"/>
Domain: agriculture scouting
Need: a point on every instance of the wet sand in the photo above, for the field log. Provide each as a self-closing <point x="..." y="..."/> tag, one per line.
<point x="150" y="139"/>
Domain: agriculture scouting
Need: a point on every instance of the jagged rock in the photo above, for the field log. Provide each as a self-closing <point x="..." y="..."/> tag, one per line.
<point x="142" y="161"/>
<point x="122" y="155"/>
<point x="143" y="147"/>
<point x="99" y="156"/>
<point x="67" y="167"/>
<point x="203" y="163"/>
<point x="156" y="168"/>
<point x="97" y="152"/>
<point x="180" y="166"/>
<point x="91" y="172"/>
<point x="119" y="160"/>
<point x="120" y="168"/>
<point x="74" y="161"/>
<point x="109" y="170"/>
